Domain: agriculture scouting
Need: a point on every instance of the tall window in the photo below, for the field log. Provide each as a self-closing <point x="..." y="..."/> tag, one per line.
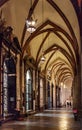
<point x="5" y="89"/>
<point x="9" y="86"/>
<point x="28" y="91"/>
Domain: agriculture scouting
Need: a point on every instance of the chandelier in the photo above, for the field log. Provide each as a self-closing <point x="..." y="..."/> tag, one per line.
<point x="43" y="58"/>
<point x="30" y="24"/>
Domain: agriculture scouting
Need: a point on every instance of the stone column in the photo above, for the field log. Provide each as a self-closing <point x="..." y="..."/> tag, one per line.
<point x="81" y="85"/>
<point x="44" y="92"/>
<point x="80" y="113"/>
<point x="36" y="90"/>
<point x="77" y="88"/>
<point x="0" y="71"/>
<point x="18" y="82"/>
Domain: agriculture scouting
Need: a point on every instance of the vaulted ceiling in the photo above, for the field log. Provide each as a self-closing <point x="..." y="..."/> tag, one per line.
<point x="57" y="33"/>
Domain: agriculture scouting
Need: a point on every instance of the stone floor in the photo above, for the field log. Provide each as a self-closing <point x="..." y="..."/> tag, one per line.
<point x="55" y="119"/>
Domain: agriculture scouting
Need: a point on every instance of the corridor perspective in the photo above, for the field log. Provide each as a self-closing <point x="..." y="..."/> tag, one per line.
<point x="52" y="119"/>
<point x="40" y="64"/>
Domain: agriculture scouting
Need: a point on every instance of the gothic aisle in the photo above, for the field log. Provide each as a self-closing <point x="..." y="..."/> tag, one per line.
<point x="55" y="119"/>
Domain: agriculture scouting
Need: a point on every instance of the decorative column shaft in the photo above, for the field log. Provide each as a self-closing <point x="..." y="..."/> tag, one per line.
<point x="36" y="90"/>
<point x="81" y="82"/>
<point x="77" y="89"/>
<point x="21" y="76"/>
<point x="0" y="71"/>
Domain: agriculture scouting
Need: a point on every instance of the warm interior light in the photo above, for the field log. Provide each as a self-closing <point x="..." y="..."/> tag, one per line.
<point x="33" y="22"/>
<point x="43" y="58"/>
<point x="31" y="29"/>
<point x="30" y="23"/>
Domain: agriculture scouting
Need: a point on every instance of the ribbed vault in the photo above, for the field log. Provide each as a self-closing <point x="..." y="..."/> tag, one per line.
<point x="57" y="34"/>
<point x="58" y="41"/>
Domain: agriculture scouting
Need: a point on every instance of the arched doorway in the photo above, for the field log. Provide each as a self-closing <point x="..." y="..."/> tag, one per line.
<point x="9" y="86"/>
<point x="29" y="101"/>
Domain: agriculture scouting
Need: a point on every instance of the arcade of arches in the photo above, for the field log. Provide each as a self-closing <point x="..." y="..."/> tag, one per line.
<point x="40" y="70"/>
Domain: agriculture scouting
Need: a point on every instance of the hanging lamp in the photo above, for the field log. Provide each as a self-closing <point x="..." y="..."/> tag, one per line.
<point x="30" y="22"/>
<point x="43" y="58"/>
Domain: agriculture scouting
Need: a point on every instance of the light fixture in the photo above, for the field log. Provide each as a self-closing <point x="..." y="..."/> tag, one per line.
<point x="30" y="24"/>
<point x="43" y="58"/>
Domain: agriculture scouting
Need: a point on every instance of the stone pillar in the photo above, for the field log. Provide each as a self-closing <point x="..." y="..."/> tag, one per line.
<point x="44" y="92"/>
<point x="36" y="90"/>
<point x="20" y="81"/>
<point x="77" y="89"/>
<point x="81" y="85"/>
<point x="0" y="72"/>
<point x="81" y="72"/>
<point x="18" y="99"/>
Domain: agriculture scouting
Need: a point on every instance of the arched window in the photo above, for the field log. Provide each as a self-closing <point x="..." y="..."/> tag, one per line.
<point x="9" y="86"/>
<point x="28" y="91"/>
<point x="5" y="88"/>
